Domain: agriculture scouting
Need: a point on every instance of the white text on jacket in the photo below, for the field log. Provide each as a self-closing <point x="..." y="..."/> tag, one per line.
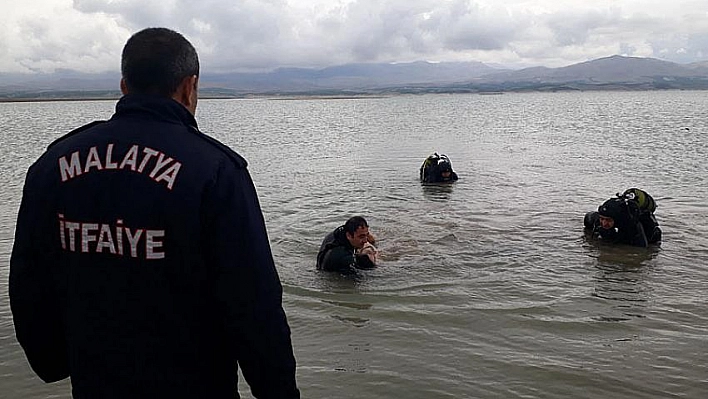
<point x="116" y="239"/>
<point x="162" y="167"/>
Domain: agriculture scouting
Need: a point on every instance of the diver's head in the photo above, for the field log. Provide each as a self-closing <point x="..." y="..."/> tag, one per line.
<point x="611" y="211"/>
<point x="357" y="231"/>
<point x="606" y="222"/>
<point x="444" y="168"/>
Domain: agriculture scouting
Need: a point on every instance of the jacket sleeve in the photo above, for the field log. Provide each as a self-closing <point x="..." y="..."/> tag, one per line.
<point x="247" y="286"/>
<point x="34" y="301"/>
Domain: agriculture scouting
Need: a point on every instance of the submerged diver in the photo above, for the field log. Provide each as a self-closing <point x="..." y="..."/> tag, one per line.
<point x="627" y="218"/>
<point x="348" y="247"/>
<point x="437" y="169"/>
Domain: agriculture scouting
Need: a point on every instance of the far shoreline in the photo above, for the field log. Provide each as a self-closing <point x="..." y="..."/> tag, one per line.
<point x="352" y="96"/>
<point x="288" y="97"/>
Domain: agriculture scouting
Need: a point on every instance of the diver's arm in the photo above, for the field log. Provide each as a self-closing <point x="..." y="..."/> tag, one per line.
<point x="338" y="259"/>
<point x="591" y="221"/>
<point x="639" y="238"/>
<point x="632" y="233"/>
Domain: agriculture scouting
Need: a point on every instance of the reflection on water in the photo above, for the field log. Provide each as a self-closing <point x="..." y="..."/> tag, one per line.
<point x="437" y="191"/>
<point x="623" y="256"/>
<point x="354" y="321"/>
<point x="351" y="305"/>
<point x="341" y="282"/>
<point x="623" y="277"/>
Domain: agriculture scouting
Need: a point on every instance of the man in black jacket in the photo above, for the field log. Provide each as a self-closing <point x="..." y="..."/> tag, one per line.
<point x="338" y="251"/>
<point x="141" y="267"/>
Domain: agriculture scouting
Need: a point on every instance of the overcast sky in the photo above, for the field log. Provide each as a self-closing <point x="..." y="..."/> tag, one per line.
<point x="250" y="35"/>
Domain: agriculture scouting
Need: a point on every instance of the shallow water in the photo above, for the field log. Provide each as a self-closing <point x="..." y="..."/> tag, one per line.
<point x="487" y="288"/>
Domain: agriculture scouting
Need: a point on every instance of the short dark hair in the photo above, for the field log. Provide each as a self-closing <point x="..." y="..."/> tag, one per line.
<point x="156" y="60"/>
<point x="354" y="223"/>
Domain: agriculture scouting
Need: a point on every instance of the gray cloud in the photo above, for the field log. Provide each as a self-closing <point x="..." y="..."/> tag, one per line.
<point x="467" y="26"/>
<point x="571" y="29"/>
<point x="44" y="42"/>
<point x="88" y="35"/>
<point x="371" y="30"/>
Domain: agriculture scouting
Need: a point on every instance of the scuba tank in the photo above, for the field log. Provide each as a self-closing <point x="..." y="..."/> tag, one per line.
<point x="643" y="206"/>
<point x="644" y="202"/>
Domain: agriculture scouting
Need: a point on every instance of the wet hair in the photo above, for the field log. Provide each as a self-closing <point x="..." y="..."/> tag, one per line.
<point x="354" y="223"/>
<point x="156" y="61"/>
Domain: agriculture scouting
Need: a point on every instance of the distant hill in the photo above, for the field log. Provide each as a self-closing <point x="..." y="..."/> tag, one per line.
<point x="697" y="65"/>
<point x="59" y="80"/>
<point x="616" y="72"/>
<point x="343" y="77"/>
<point x="610" y="73"/>
<point x="348" y="77"/>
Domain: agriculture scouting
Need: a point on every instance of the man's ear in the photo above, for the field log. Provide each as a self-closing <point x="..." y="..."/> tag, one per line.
<point x="123" y="87"/>
<point x="186" y="93"/>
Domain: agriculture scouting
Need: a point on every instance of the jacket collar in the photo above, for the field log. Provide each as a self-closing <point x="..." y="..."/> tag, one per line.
<point x="159" y="107"/>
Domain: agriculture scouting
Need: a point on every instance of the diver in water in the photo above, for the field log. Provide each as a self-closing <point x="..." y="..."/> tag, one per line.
<point x="437" y="169"/>
<point x="625" y="219"/>
<point x="348" y="247"/>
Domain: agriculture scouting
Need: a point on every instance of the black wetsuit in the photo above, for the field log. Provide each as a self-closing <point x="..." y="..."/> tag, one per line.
<point x="432" y="168"/>
<point x="434" y="176"/>
<point x="141" y="267"/>
<point x="337" y="254"/>
<point x="628" y="230"/>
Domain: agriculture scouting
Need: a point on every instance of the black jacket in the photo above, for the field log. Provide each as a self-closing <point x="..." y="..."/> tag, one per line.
<point x="141" y="267"/>
<point x="337" y="254"/>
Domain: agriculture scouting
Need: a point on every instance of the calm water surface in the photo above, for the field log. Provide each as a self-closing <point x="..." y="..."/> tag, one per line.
<point x="487" y="288"/>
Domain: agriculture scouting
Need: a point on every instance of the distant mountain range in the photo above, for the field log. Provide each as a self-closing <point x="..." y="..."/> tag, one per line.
<point x="610" y="73"/>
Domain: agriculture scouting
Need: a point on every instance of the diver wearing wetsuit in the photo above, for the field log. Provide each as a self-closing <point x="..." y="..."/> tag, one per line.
<point x="437" y="169"/>
<point x="338" y="251"/>
<point x="623" y="220"/>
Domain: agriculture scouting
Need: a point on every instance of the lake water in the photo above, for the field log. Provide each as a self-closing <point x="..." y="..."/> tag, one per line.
<point x="487" y="288"/>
